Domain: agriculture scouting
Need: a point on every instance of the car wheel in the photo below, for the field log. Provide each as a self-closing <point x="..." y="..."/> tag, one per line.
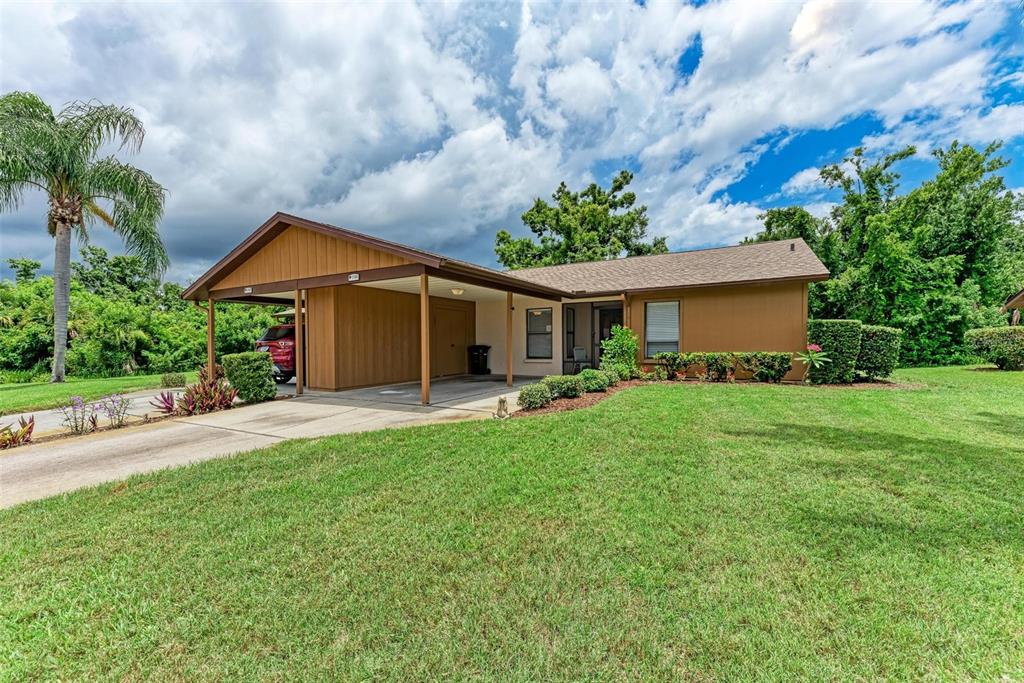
<point x="284" y="379"/>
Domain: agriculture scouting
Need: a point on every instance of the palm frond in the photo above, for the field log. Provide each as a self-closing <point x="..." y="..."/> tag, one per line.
<point x="94" y="124"/>
<point x="138" y="205"/>
<point x="29" y="134"/>
<point x="94" y="210"/>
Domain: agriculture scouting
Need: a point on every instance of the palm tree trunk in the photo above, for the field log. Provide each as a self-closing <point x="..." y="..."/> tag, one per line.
<point x="61" y="296"/>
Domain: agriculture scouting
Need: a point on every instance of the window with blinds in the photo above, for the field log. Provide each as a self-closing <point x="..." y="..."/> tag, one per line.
<point x="538" y="333"/>
<point x="661" y="327"/>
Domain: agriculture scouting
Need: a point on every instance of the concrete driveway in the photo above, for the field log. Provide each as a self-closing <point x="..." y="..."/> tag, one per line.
<point x="45" y="469"/>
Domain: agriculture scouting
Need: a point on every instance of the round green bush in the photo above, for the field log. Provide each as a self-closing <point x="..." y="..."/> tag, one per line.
<point x="534" y="396"/>
<point x="594" y="380"/>
<point x="765" y="366"/>
<point x="564" y="386"/>
<point x="1003" y="346"/>
<point x="879" y="351"/>
<point x="251" y="373"/>
<point x="840" y="341"/>
<point x="172" y="379"/>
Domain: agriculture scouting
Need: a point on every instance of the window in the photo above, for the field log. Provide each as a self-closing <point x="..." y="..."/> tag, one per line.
<point x="570" y="331"/>
<point x="661" y="327"/>
<point x="538" y="333"/>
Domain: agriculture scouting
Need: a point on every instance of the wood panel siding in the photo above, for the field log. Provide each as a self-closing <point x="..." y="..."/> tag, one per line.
<point x="452" y="330"/>
<point x="363" y="336"/>
<point x="738" y="318"/>
<point x="301" y="253"/>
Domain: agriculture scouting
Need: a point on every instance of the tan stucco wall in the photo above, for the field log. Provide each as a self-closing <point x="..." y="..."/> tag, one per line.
<point x="490" y="329"/>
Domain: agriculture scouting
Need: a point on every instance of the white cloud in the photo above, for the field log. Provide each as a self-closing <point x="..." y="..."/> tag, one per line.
<point x="582" y="88"/>
<point x="803" y="181"/>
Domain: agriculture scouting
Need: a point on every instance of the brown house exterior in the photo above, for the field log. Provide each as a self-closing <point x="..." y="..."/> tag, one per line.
<point x="377" y="312"/>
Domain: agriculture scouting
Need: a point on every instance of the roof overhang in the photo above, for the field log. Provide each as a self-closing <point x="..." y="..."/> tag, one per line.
<point x="581" y="294"/>
<point x="1014" y="301"/>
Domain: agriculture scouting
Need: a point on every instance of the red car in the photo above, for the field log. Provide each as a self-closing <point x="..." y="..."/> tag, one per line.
<point x="279" y="342"/>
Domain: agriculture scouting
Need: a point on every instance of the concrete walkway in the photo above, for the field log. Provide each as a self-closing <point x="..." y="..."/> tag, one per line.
<point x="45" y="469"/>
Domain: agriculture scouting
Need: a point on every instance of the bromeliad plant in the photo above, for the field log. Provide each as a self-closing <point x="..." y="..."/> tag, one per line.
<point x="207" y="395"/>
<point x="11" y="437"/>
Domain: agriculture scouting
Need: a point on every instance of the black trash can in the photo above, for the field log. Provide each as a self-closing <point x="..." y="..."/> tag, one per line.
<point x="478" y="359"/>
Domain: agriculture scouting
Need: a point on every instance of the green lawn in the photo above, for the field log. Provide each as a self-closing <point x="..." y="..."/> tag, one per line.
<point x="672" y="532"/>
<point x="18" y="398"/>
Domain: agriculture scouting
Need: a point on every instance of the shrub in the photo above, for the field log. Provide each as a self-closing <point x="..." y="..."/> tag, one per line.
<point x="252" y="374"/>
<point x="18" y="376"/>
<point x="719" y="366"/>
<point x="840" y="341"/>
<point x="1003" y="346"/>
<point x="206" y="396"/>
<point x="613" y="377"/>
<point x="169" y="380"/>
<point x="11" y="437"/>
<point x="564" y="386"/>
<point x="879" y="351"/>
<point x="594" y="380"/>
<point x="674" y="363"/>
<point x="765" y="366"/>
<point x="164" y="402"/>
<point x="620" y="352"/>
<point x="660" y="374"/>
<point x="534" y="396"/>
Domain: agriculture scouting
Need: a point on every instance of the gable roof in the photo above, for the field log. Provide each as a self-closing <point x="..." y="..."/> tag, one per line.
<point x="747" y="263"/>
<point x="280" y="222"/>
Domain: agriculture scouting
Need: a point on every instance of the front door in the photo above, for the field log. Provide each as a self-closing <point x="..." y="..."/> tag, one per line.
<point x="448" y="336"/>
<point x="607" y="318"/>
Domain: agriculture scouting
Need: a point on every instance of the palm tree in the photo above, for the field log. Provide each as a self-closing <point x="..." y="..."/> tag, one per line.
<point x="58" y="154"/>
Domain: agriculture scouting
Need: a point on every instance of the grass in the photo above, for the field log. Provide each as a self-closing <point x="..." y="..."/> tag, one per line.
<point x="19" y="398"/>
<point x="696" y="532"/>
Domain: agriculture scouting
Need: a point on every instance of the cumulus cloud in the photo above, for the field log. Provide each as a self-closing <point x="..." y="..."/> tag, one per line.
<point x="803" y="181"/>
<point x="436" y="124"/>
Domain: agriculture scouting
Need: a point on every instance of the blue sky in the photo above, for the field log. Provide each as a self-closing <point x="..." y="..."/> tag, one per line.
<point x="437" y="124"/>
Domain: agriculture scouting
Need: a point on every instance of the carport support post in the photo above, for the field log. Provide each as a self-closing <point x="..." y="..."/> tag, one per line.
<point x="300" y="344"/>
<point x="211" y="356"/>
<point x="508" y="338"/>
<point x="424" y="339"/>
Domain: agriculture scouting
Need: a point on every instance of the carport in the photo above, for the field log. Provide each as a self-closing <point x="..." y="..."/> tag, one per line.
<point x="368" y="312"/>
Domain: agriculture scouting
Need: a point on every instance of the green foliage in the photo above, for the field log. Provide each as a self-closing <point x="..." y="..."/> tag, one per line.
<point x="594" y="380"/>
<point x="24" y="268"/>
<point x="207" y="395"/>
<point x="564" y="386"/>
<point x="879" y="351"/>
<point x="611" y="375"/>
<point x="659" y="373"/>
<point x="120" y="323"/>
<point x="674" y="363"/>
<point x="591" y="225"/>
<point x="715" y="366"/>
<point x="251" y="373"/>
<point x="840" y="341"/>
<point x="619" y="352"/>
<point x="934" y="262"/>
<point x="11" y="436"/>
<point x="172" y="379"/>
<point x="534" y="396"/>
<point x="765" y="366"/>
<point x="1003" y="346"/>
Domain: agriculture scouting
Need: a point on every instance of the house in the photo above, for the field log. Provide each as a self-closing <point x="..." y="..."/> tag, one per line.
<point x="1015" y="303"/>
<point x="379" y="312"/>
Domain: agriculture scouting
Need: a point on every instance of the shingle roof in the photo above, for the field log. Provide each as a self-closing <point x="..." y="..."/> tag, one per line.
<point x="763" y="261"/>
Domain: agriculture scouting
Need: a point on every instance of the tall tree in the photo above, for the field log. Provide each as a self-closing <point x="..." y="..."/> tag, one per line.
<point x="24" y="268"/>
<point x="59" y="154"/>
<point x="591" y="225"/>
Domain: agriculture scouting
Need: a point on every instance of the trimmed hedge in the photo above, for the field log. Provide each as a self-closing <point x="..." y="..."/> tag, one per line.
<point x="613" y="377"/>
<point x="840" y="341"/>
<point x="673" y="362"/>
<point x="719" y="366"/>
<point x="879" y="351"/>
<point x="251" y="373"/>
<point x="173" y="379"/>
<point x="564" y="386"/>
<point x="1003" y="346"/>
<point x="534" y="396"/>
<point x="765" y="366"/>
<point x="594" y="380"/>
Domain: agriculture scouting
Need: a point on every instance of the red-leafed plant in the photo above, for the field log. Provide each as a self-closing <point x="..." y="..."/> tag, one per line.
<point x="164" y="402"/>
<point x="206" y="395"/>
<point x="11" y="437"/>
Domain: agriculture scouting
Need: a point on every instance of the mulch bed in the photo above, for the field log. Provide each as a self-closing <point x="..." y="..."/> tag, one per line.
<point x="586" y="400"/>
